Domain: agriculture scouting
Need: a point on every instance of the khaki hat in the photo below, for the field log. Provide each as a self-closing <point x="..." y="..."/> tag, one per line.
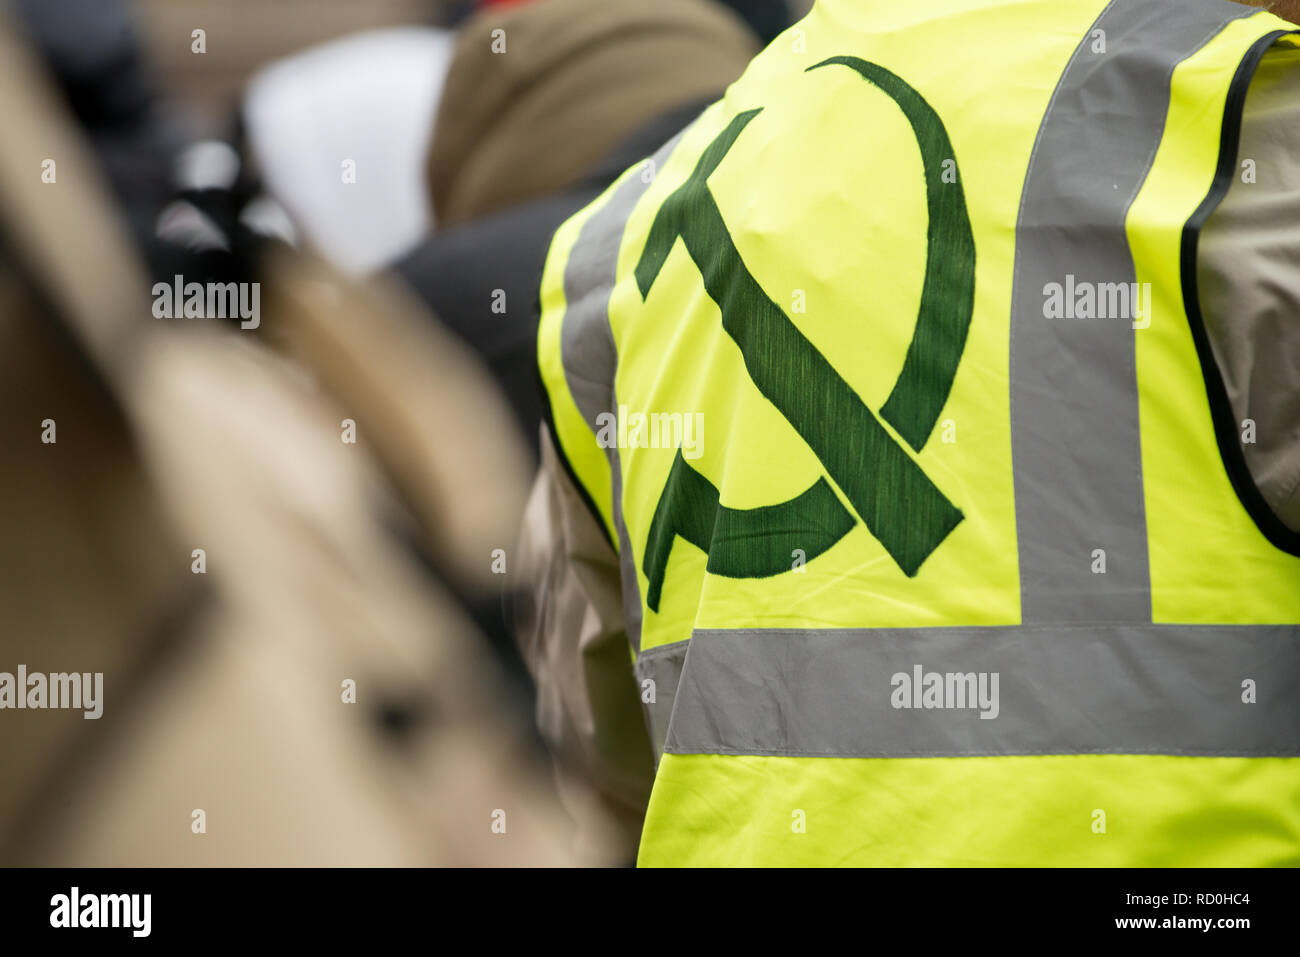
<point x="538" y="94"/>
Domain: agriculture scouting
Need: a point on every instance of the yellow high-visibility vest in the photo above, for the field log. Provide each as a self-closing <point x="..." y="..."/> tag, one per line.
<point x="888" y="382"/>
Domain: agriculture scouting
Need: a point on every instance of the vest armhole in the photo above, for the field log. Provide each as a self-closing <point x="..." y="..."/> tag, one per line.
<point x="1225" y="426"/>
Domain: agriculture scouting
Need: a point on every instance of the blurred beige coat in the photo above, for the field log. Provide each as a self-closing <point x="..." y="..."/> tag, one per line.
<point x="223" y="691"/>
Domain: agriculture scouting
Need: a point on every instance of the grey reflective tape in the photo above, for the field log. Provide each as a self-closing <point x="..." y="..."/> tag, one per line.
<point x="586" y="339"/>
<point x="628" y="585"/>
<point x="587" y="342"/>
<point x="663" y="666"/>
<point x="1074" y="401"/>
<point x="1212" y="690"/>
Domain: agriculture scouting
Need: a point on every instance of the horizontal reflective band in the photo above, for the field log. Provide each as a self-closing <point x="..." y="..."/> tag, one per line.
<point x="662" y="665"/>
<point x="1118" y="689"/>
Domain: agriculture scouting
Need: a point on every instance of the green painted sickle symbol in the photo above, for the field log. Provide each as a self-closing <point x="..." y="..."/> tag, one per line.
<point x="896" y="500"/>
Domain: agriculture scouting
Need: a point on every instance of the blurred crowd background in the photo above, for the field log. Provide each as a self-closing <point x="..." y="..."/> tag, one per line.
<point x="286" y="543"/>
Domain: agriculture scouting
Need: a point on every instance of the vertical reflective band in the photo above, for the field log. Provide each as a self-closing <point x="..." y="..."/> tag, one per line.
<point x="587" y="341"/>
<point x="1074" y="400"/>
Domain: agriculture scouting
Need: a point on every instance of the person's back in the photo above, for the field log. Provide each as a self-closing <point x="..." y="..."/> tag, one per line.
<point x="889" y="385"/>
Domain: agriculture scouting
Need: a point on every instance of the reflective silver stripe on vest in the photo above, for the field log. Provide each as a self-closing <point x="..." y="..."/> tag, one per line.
<point x="1118" y="689"/>
<point x="663" y="666"/>
<point x="1074" y="402"/>
<point x="587" y="342"/>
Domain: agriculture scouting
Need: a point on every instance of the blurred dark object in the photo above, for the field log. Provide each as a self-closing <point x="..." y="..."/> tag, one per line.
<point x="766" y="18"/>
<point x="183" y="205"/>
<point x="93" y="51"/>
<point x="458" y="272"/>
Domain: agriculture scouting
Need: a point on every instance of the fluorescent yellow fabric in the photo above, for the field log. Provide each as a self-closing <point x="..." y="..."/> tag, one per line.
<point x="1105" y="810"/>
<point x="827" y="221"/>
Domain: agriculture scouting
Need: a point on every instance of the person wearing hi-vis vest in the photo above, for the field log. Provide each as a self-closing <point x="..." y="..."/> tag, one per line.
<point x="920" y="480"/>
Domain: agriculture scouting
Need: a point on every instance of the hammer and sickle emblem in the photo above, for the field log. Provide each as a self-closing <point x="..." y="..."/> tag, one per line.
<point x="896" y="500"/>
